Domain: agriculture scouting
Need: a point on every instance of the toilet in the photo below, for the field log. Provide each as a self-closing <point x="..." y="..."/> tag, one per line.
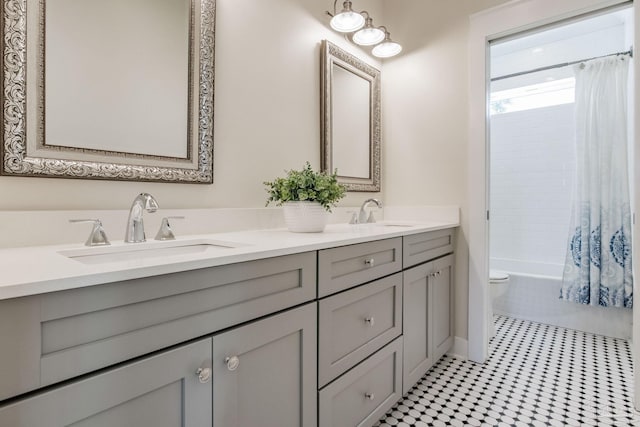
<point x="500" y="279"/>
<point x="498" y="286"/>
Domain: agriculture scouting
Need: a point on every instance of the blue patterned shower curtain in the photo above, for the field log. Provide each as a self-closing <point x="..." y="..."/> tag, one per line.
<point x="598" y="262"/>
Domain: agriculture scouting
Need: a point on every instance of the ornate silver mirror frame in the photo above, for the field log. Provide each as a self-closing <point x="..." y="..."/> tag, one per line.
<point x="19" y="158"/>
<point x="350" y="132"/>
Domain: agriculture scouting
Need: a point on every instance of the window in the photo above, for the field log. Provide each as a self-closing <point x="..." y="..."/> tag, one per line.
<point x="539" y="95"/>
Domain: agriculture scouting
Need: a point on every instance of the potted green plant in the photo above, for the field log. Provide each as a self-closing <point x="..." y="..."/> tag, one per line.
<point x="306" y="196"/>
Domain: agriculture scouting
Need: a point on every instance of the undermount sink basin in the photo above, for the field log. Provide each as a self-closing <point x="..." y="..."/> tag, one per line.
<point x="394" y="224"/>
<point x="137" y="251"/>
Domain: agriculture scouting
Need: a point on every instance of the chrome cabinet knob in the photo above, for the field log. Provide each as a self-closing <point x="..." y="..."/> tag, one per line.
<point x="232" y="362"/>
<point x="370" y="321"/>
<point x="369" y="396"/>
<point x="204" y="375"/>
<point x="370" y="262"/>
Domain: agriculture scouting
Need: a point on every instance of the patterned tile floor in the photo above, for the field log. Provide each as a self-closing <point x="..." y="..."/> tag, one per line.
<point x="536" y="375"/>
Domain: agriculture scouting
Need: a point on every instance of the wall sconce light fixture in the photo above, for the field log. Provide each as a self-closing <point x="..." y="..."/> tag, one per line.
<point x="359" y="26"/>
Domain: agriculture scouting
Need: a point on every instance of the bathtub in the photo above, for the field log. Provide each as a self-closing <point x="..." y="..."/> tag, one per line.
<point x="532" y="294"/>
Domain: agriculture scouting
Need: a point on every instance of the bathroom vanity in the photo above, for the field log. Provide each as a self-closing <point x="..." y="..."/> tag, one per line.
<point x="328" y="329"/>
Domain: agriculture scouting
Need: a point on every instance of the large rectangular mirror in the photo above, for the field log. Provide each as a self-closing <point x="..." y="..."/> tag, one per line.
<point x="350" y="139"/>
<point x="115" y="89"/>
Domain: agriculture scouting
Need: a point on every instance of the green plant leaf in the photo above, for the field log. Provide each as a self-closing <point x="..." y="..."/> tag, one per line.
<point x="306" y="185"/>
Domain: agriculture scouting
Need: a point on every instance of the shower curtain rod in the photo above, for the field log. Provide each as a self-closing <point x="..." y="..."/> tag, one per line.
<point x="565" y="64"/>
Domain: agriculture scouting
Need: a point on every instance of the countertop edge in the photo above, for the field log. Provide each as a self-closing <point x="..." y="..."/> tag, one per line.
<point x="83" y="276"/>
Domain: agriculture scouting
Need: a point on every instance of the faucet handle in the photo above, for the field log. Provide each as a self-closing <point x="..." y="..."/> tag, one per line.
<point x="165" y="232"/>
<point x="354" y="217"/>
<point x="371" y="218"/>
<point x="98" y="237"/>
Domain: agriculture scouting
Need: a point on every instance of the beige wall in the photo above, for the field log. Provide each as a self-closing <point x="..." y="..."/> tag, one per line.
<point x="267" y="114"/>
<point x="425" y="110"/>
<point x="267" y="109"/>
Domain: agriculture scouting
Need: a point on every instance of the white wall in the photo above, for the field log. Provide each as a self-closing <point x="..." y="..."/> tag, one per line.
<point x="424" y="95"/>
<point x="532" y="158"/>
<point x="267" y="109"/>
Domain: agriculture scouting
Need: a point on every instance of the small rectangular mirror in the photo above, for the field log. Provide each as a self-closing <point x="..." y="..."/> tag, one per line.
<point x="350" y="140"/>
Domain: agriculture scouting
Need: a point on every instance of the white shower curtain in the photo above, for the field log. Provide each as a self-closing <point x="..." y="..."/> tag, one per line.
<point x="598" y="262"/>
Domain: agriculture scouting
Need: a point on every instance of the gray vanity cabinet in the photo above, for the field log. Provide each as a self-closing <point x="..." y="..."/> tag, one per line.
<point x="330" y="338"/>
<point x="264" y="373"/>
<point x="427" y="317"/>
<point x="165" y="390"/>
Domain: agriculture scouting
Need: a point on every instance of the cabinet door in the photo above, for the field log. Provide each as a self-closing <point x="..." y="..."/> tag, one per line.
<point x="416" y="321"/>
<point x="160" y="391"/>
<point x="442" y="320"/>
<point x="265" y="372"/>
<point x="427" y="317"/>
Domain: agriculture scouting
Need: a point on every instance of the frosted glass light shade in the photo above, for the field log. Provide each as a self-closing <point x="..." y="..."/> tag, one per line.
<point x="387" y="49"/>
<point x="347" y="21"/>
<point x="368" y="36"/>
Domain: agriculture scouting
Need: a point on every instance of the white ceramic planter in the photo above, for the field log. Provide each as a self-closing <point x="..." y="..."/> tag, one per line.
<point x="305" y="217"/>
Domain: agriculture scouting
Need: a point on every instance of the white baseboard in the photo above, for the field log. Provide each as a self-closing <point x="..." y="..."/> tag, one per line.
<point x="460" y="348"/>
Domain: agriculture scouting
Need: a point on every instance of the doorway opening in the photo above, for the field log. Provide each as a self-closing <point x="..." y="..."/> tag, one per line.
<point x="535" y="171"/>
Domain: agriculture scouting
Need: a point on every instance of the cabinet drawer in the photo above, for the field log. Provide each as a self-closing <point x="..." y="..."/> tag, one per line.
<point x="77" y="331"/>
<point x="356" y="323"/>
<point x="364" y="394"/>
<point x="347" y="266"/>
<point x="418" y="248"/>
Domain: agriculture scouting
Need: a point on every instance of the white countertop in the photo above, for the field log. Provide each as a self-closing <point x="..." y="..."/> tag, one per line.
<point x="41" y="269"/>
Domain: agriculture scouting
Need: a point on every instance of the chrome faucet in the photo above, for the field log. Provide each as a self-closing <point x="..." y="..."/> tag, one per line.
<point x="362" y="216"/>
<point x="135" y="226"/>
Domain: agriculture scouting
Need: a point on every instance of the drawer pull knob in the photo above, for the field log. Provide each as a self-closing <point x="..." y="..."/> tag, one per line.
<point x="232" y="362"/>
<point x="369" y="262"/>
<point x="370" y="396"/>
<point x="204" y="375"/>
<point x="370" y="321"/>
<point x="438" y="273"/>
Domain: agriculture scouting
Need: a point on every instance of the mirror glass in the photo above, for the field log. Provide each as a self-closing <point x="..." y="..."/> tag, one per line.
<point x="117" y="89"/>
<point x="105" y="91"/>
<point x="351" y="119"/>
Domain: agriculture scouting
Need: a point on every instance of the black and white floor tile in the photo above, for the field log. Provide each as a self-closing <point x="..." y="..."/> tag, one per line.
<point x="536" y="375"/>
